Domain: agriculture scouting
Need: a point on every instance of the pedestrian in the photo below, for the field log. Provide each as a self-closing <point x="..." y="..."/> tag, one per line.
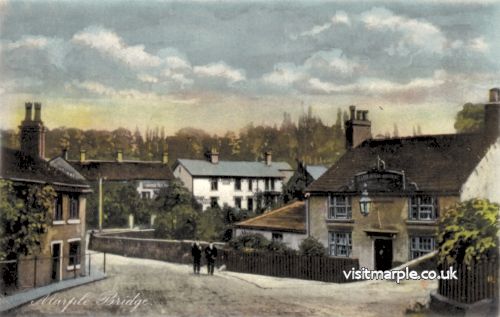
<point x="196" y="253"/>
<point x="210" y="255"/>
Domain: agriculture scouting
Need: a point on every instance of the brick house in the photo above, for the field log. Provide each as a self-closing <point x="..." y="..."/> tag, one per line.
<point x="406" y="183"/>
<point x="62" y="251"/>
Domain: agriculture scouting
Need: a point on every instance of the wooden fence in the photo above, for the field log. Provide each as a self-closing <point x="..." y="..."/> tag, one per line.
<point x="475" y="282"/>
<point x="317" y="268"/>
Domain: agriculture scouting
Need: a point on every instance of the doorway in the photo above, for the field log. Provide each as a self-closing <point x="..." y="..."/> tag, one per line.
<point x="383" y="254"/>
<point x="56" y="261"/>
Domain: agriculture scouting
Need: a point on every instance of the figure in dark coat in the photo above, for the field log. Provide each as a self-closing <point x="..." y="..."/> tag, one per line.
<point x="210" y="255"/>
<point x="196" y="253"/>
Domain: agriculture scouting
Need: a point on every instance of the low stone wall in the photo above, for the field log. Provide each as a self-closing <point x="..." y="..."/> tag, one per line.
<point x="157" y="249"/>
<point x="142" y="234"/>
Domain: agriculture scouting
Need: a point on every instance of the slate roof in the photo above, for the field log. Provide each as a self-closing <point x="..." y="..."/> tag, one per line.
<point x="436" y="163"/>
<point x="233" y="168"/>
<point x="316" y="170"/>
<point x="123" y="171"/>
<point x="18" y="166"/>
<point x="289" y="218"/>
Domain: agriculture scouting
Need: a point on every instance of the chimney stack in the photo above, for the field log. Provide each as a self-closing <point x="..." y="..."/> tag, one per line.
<point x="214" y="156"/>
<point x="357" y="128"/>
<point x="119" y="156"/>
<point x="492" y="116"/>
<point x="164" y="159"/>
<point x="82" y="156"/>
<point x="32" y="134"/>
<point x="268" y="157"/>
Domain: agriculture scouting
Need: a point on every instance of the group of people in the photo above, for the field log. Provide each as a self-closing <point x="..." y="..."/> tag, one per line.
<point x="210" y="256"/>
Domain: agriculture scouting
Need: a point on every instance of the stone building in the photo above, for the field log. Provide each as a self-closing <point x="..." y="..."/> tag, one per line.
<point x="380" y="202"/>
<point x="62" y="251"/>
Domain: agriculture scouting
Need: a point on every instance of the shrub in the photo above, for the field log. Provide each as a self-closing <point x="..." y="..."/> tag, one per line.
<point x="468" y="231"/>
<point x="312" y="247"/>
<point x="249" y="241"/>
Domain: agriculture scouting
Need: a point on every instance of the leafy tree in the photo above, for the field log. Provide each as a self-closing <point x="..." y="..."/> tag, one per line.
<point x="210" y="225"/>
<point x="173" y="195"/>
<point x="468" y="231"/>
<point x="178" y="223"/>
<point x="312" y="247"/>
<point x="253" y="241"/>
<point x="470" y="118"/>
<point x="25" y="217"/>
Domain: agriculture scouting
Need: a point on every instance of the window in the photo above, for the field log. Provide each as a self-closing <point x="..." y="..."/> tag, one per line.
<point x="422" y="208"/>
<point x="278" y="237"/>
<point x="58" y="208"/>
<point x="250" y="184"/>
<point x="421" y="245"/>
<point x="237" y="202"/>
<point x="237" y="183"/>
<point x="267" y="183"/>
<point x="339" y="207"/>
<point x="214" y="202"/>
<point x="146" y="195"/>
<point x="214" y="184"/>
<point x="272" y="183"/>
<point x="74" y="253"/>
<point x="74" y="207"/>
<point x="250" y="204"/>
<point x="341" y="244"/>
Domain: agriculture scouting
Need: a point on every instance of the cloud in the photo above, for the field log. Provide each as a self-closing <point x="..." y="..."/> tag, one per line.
<point x="283" y="75"/>
<point x="333" y="61"/>
<point x="413" y="34"/>
<point x="341" y="17"/>
<point x="29" y="42"/>
<point x="479" y="45"/>
<point x="55" y="49"/>
<point x="147" y="78"/>
<point x="377" y="85"/>
<point x="110" y="44"/>
<point x="220" y="70"/>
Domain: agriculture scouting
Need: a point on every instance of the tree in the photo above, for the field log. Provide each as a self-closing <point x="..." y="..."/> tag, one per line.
<point x="468" y="231"/>
<point x="25" y="217"/>
<point x="210" y="225"/>
<point x="178" y="223"/>
<point x="175" y="194"/>
<point x="470" y="118"/>
<point x="312" y="247"/>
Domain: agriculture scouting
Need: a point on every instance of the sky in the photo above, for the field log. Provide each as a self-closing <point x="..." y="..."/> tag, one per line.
<point x="221" y="65"/>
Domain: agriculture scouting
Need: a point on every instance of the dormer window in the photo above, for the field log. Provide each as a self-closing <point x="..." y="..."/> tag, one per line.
<point x="423" y="208"/>
<point x="339" y="207"/>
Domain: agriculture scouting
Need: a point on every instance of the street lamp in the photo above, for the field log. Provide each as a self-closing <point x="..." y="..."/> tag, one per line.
<point x="365" y="202"/>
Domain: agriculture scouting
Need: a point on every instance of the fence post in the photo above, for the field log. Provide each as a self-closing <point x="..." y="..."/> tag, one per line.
<point x="74" y="266"/>
<point x="90" y="263"/>
<point x="104" y="263"/>
<point x="34" y="272"/>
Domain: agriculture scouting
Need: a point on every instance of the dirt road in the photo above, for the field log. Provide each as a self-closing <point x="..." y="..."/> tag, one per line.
<point x="138" y="287"/>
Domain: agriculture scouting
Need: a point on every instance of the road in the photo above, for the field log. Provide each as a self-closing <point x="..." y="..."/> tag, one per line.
<point x="139" y="287"/>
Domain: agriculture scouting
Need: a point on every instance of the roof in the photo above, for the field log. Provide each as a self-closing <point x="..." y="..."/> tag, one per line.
<point x="289" y="218"/>
<point x="233" y="168"/>
<point x="436" y="163"/>
<point x="19" y="166"/>
<point x="124" y="170"/>
<point x="316" y="170"/>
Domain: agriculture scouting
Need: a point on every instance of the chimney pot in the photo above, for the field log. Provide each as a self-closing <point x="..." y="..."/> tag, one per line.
<point x="82" y="155"/>
<point x="495" y="95"/>
<point x="268" y="157"/>
<point x="38" y="112"/>
<point x="358" y="128"/>
<point x="352" y="109"/>
<point x="165" y="158"/>
<point x="214" y="156"/>
<point x="28" y="115"/>
<point x="64" y="153"/>
<point x="119" y="156"/>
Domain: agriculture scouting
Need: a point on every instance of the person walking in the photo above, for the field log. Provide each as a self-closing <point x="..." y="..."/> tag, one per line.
<point x="196" y="253"/>
<point x="210" y="255"/>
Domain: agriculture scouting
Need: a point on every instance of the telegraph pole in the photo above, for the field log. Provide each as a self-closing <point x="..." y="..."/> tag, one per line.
<point x="100" y="203"/>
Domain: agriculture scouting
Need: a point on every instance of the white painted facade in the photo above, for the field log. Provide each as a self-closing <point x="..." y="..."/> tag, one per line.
<point x="484" y="182"/>
<point x="291" y="240"/>
<point x="150" y="188"/>
<point x="226" y="192"/>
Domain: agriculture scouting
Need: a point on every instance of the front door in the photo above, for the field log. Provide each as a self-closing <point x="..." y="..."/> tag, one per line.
<point x="56" y="262"/>
<point x="383" y="254"/>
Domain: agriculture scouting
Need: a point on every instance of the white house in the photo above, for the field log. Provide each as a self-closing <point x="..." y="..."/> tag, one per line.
<point x="239" y="184"/>
<point x="286" y="224"/>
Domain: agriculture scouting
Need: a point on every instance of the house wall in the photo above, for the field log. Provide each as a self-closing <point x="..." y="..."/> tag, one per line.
<point x="393" y="214"/>
<point x="150" y="186"/>
<point x="186" y="178"/>
<point x="58" y="231"/>
<point x="292" y="240"/>
<point x="226" y="191"/>
<point x="483" y="182"/>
